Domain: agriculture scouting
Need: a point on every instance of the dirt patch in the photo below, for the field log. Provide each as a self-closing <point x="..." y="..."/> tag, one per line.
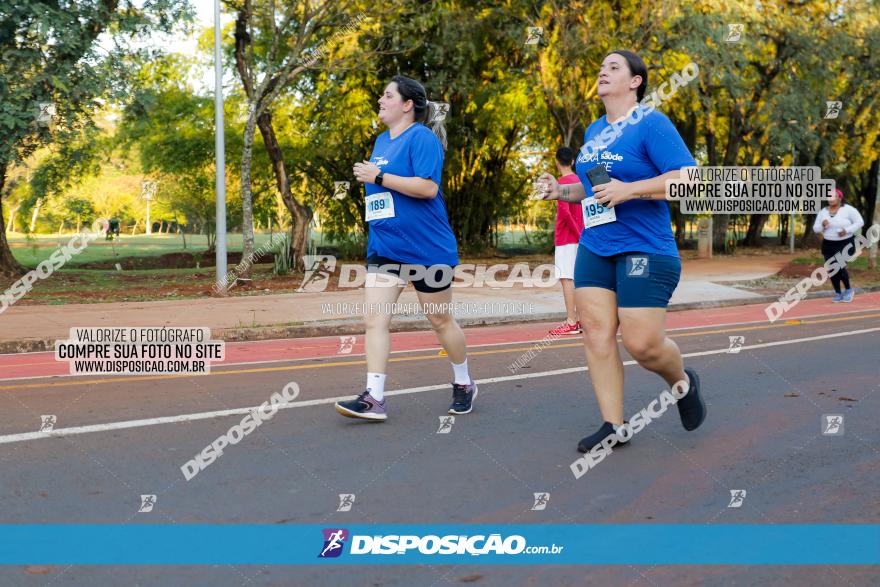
<point x="792" y="273"/>
<point x="175" y="261"/>
<point x="797" y="270"/>
<point x="109" y="285"/>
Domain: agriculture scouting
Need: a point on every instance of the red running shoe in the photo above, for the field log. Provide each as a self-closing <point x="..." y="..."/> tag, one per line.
<point x="567" y="328"/>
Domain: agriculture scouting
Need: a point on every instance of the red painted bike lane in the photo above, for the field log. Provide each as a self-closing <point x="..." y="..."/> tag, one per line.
<point x="43" y="364"/>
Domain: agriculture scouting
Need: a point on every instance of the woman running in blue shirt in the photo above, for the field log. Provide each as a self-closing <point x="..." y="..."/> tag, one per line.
<point x="627" y="262"/>
<point x="410" y="240"/>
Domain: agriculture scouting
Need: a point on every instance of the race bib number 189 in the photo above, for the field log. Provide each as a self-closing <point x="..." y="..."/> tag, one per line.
<point x="596" y="214"/>
<point x="379" y="206"/>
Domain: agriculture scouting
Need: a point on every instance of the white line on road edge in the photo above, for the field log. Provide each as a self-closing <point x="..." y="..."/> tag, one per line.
<point x="23" y="437"/>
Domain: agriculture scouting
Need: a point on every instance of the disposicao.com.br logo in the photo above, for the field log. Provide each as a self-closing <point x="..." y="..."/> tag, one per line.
<point x="334" y="541"/>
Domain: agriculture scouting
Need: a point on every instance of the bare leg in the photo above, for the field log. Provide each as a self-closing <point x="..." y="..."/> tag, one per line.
<point x="644" y="337"/>
<point x="568" y="295"/>
<point x="443" y="322"/>
<point x="377" y="315"/>
<point x="597" y="309"/>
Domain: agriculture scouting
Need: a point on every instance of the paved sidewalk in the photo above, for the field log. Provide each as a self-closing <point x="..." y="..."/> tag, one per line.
<point x="32" y="328"/>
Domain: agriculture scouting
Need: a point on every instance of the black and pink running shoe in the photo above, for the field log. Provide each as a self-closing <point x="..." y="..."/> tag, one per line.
<point x="365" y="407"/>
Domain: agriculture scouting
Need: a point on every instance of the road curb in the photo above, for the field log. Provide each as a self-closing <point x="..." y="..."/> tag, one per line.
<point x="356" y="326"/>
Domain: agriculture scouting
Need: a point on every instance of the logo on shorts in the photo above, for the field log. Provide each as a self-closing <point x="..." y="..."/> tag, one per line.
<point x="334" y="541"/>
<point x="637" y="266"/>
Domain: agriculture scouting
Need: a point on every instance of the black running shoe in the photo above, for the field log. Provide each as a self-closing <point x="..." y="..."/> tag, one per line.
<point x="607" y="429"/>
<point x="692" y="408"/>
<point x="463" y="397"/>
<point x="364" y="406"/>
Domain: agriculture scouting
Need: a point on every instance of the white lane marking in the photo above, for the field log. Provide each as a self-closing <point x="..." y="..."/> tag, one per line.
<point x="417" y="350"/>
<point x="23" y="437"/>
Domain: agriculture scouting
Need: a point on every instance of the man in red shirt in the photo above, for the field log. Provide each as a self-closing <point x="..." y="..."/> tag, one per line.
<point x="569" y="224"/>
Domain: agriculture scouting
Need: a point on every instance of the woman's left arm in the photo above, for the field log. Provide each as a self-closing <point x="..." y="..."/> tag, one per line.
<point x="654" y="188"/>
<point x="856" y="221"/>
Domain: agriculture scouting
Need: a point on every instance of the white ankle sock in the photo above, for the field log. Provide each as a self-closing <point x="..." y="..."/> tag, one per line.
<point x="376" y="385"/>
<point x="462" y="377"/>
<point x="682" y="387"/>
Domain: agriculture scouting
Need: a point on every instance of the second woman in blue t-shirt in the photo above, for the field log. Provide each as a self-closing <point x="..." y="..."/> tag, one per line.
<point x="627" y="263"/>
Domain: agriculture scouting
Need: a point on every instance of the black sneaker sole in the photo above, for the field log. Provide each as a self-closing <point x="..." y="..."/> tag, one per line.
<point x="367" y="416"/>
<point x="470" y="409"/>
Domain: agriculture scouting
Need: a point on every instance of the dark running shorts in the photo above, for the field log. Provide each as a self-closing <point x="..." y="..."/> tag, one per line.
<point x="436" y="278"/>
<point x="641" y="280"/>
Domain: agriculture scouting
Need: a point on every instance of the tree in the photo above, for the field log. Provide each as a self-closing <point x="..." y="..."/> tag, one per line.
<point x="792" y="58"/>
<point x="274" y="47"/>
<point x="51" y="61"/>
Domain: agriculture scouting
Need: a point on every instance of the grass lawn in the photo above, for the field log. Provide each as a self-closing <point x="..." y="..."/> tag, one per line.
<point x="31" y="252"/>
<point x="860" y="275"/>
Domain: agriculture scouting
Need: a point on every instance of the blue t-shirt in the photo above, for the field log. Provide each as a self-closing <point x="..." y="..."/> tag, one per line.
<point x="644" y="150"/>
<point x="419" y="233"/>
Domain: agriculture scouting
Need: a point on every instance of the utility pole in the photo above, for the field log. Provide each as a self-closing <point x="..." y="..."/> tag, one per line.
<point x="220" y="150"/>
<point x="792" y="217"/>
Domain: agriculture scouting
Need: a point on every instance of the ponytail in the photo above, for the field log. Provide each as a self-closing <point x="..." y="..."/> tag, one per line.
<point x="436" y="118"/>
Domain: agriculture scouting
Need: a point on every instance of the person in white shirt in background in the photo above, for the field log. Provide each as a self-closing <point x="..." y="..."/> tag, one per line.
<point x="838" y="223"/>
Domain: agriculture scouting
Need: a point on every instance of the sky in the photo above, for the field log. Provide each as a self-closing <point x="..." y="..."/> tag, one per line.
<point x="187" y="44"/>
<point x="181" y="42"/>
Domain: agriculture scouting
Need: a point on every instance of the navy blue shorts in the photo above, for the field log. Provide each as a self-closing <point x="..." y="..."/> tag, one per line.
<point x="438" y="277"/>
<point x="641" y="280"/>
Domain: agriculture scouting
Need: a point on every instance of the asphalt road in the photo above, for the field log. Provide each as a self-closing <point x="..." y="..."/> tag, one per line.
<point x="763" y="435"/>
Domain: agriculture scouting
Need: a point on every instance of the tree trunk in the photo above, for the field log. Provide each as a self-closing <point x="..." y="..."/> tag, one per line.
<point x="721" y="222"/>
<point x="872" y="214"/>
<point x="247" y="203"/>
<point x="300" y="213"/>
<point x="10" y="225"/>
<point x="756" y="227"/>
<point x="808" y="237"/>
<point x="678" y="221"/>
<point x="9" y="267"/>
<point x="36" y="213"/>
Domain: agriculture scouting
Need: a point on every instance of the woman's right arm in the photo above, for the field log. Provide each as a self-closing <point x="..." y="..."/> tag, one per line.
<point x="817" y="226"/>
<point x="570" y="192"/>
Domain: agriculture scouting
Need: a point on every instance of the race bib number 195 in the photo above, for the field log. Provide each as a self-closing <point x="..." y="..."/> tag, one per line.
<point x="379" y="206"/>
<point x="596" y="214"/>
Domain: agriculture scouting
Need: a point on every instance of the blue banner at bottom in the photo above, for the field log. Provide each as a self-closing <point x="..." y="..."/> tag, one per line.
<point x="596" y="544"/>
